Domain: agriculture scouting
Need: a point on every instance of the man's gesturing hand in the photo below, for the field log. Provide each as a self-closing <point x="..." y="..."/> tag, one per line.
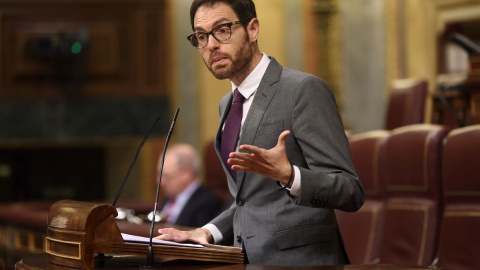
<point x="200" y="235"/>
<point x="272" y="163"/>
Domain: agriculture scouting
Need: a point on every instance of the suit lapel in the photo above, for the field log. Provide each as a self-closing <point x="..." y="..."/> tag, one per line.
<point x="265" y="92"/>
<point x="223" y="116"/>
<point x="218" y="140"/>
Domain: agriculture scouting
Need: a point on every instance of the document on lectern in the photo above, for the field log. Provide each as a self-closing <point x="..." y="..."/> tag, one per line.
<point x="145" y="240"/>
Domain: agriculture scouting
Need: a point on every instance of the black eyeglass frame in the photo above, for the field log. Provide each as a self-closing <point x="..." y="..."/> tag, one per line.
<point x="229" y="24"/>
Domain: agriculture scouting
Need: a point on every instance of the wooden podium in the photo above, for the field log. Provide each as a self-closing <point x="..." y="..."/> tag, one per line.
<point x="79" y="230"/>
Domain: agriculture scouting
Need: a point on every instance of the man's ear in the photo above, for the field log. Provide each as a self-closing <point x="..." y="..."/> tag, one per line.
<point x="253" y="29"/>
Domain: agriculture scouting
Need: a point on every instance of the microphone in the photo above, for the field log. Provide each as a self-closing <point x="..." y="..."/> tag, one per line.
<point x="134" y="160"/>
<point x="150" y="255"/>
<point x="466" y="43"/>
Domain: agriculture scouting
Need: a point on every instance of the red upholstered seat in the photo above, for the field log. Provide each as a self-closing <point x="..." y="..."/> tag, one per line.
<point x="362" y="230"/>
<point x="459" y="244"/>
<point x="365" y="148"/>
<point x="27" y="214"/>
<point x="406" y="103"/>
<point x="412" y="168"/>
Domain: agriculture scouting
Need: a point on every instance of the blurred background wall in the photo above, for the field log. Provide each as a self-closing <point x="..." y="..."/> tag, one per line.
<point x="81" y="81"/>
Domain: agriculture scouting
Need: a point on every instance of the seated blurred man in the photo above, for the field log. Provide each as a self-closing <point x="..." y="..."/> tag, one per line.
<point x="188" y="203"/>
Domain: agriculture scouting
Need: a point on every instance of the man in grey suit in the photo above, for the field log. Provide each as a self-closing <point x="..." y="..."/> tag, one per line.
<point x="291" y="166"/>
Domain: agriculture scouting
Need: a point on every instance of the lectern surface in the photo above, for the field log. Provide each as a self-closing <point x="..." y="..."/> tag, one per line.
<point x="40" y="262"/>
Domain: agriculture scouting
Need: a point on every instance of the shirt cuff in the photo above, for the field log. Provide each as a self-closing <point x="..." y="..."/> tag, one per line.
<point x="295" y="189"/>
<point x="216" y="234"/>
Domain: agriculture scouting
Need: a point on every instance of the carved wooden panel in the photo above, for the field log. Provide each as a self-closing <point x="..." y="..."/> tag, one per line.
<point x="56" y="48"/>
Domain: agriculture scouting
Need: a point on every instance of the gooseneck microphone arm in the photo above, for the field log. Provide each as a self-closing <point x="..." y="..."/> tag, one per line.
<point x="150" y="255"/>
<point x="134" y="160"/>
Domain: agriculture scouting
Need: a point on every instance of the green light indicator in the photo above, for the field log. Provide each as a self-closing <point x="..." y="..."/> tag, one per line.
<point x="76" y="47"/>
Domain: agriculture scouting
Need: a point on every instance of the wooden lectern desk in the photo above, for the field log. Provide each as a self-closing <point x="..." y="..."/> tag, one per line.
<point x="77" y="231"/>
<point x="83" y="235"/>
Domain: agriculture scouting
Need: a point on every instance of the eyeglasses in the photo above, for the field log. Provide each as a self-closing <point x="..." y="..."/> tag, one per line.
<point x="221" y="32"/>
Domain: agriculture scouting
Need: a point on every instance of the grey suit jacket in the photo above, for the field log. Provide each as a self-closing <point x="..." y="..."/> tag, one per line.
<point x="274" y="227"/>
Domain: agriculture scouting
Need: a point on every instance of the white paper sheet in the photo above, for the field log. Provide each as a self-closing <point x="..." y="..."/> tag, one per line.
<point x="144" y="240"/>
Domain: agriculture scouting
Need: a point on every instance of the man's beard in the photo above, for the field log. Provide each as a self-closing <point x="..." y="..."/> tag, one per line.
<point x="240" y="60"/>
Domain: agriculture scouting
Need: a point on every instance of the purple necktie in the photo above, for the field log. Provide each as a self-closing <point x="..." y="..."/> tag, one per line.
<point x="232" y="129"/>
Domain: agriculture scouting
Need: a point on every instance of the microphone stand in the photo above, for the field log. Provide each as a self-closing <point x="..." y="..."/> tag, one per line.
<point x="150" y="254"/>
<point x="134" y="160"/>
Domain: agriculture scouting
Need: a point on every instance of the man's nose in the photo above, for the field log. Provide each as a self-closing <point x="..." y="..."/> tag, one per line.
<point x="213" y="43"/>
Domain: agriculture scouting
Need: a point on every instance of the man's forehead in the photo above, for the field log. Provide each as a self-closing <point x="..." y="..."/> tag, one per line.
<point x="209" y="16"/>
<point x="170" y="168"/>
<point x="170" y="160"/>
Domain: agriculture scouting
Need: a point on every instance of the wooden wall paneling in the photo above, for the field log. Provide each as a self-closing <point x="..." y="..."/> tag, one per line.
<point x="124" y="51"/>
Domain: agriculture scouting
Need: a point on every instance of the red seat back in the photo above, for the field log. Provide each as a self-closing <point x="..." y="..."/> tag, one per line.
<point x="406" y="103"/>
<point x="412" y="156"/>
<point x="459" y="243"/>
<point x="362" y="230"/>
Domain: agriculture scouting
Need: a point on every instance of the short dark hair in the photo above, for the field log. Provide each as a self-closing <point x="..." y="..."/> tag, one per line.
<point x="244" y="9"/>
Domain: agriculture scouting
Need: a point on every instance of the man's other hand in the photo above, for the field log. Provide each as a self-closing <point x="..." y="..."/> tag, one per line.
<point x="201" y="236"/>
<point x="272" y="163"/>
